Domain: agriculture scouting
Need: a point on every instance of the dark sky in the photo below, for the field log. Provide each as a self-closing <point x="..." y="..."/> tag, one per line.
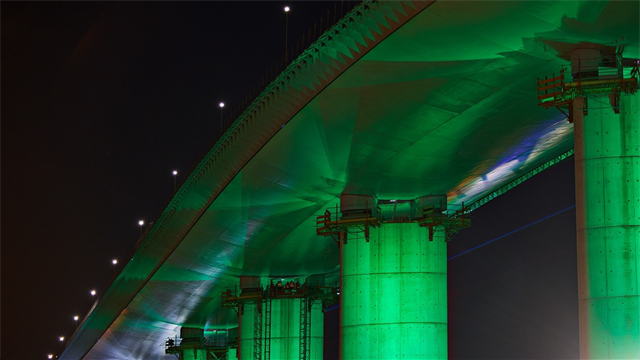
<point x="102" y="100"/>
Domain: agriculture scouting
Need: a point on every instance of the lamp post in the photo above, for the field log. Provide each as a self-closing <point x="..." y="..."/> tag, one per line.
<point x="175" y="174"/>
<point x="141" y="222"/>
<point x="286" y="34"/>
<point x="221" y="107"/>
<point x="114" y="262"/>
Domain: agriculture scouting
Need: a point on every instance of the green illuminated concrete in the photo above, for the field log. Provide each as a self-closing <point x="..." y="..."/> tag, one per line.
<point x="285" y="330"/>
<point x="245" y="332"/>
<point x="607" y="156"/>
<point x="191" y="338"/>
<point x="394" y="295"/>
<point x="193" y="354"/>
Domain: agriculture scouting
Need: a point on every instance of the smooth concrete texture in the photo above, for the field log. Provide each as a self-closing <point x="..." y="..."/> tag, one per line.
<point x="394" y="293"/>
<point x="285" y="331"/>
<point x="607" y="158"/>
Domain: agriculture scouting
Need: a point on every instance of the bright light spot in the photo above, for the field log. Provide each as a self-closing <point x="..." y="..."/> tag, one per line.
<point x="61" y="338"/>
<point x="175" y="172"/>
<point x="114" y="261"/>
<point x="221" y="104"/>
<point x="93" y="293"/>
<point x="76" y="317"/>
<point x="286" y="9"/>
<point x="140" y="222"/>
<point x="50" y="356"/>
<point x="392" y="200"/>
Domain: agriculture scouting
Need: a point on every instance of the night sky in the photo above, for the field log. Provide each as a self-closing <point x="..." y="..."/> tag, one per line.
<point x="101" y="101"/>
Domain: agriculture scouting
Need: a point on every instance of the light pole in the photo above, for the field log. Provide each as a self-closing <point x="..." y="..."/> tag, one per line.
<point x="286" y="34"/>
<point x="93" y="293"/>
<point x="175" y="174"/>
<point x="221" y="107"/>
<point x="114" y="262"/>
<point x="141" y="222"/>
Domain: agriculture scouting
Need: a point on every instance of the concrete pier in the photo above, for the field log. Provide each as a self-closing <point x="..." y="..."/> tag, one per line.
<point x="394" y="292"/>
<point x="607" y="158"/>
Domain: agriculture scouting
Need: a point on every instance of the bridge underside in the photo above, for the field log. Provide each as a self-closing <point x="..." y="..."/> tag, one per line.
<point x="446" y="104"/>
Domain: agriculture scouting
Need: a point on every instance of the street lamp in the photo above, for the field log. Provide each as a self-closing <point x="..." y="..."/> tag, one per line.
<point x="286" y="34"/>
<point x="93" y="293"/>
<point x="76" y="318"/>
<point x="61" y="338"/>
<point x="114" y="262"/>
<point x="50" y="356"/>
<point x="175" y="174"/>
<point x="221" y="106"/>
<point x="141" y="222"/>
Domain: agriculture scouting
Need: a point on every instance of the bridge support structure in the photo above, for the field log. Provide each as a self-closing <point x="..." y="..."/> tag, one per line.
<point x="393" y="275"/>
<point x="607" y="161"/>
<point x="192" y="345"/>
<point x="281" y="322"/>
<point x="603" y="104"/>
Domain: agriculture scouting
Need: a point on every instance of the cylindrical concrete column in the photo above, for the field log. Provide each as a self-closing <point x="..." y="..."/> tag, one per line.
<point x="193" y="354"/>
<point x="316" y="351"/>
<point x="394" y="294"/>
<point x="285" y="329"/>
<point x="190" y="344"/>
<point x="607" y="161"/>
<point x="246" y="337"/>
<point x="232" y="354"/>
